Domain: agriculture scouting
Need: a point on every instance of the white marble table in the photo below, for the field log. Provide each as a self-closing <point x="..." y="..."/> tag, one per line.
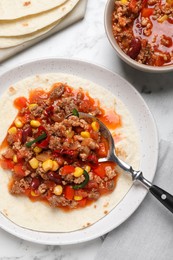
<point x="86" y="40"/>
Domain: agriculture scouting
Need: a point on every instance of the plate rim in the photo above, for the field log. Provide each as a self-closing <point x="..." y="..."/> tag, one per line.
<point x="38" y="236"/>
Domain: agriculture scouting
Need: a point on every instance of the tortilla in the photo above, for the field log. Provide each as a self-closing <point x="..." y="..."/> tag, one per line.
<point x="24" y="8"/>
<point x="7" y="42"/>
<point x="34" y="23"/>
<point x="38" y="216"/>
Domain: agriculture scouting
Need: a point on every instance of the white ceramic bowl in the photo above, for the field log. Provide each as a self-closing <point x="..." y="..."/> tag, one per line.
<point x="108" y="28"/>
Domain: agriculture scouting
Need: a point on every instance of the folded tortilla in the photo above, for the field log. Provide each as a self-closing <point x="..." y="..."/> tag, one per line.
<point x="13" y="9"/>
<point x="38" y="216"/>
<point x="7" y="42"/>
<point x="31" y="24"/>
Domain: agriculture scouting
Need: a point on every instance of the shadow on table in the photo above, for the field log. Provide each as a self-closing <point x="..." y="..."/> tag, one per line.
<point x="146" y="82"/>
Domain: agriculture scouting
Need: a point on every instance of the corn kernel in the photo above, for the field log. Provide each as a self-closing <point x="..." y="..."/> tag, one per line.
<point x="85" y="134"/>
<point x="78" y="172"/>
<point x="95" y="126"/>
<point x="15" y="158"/>
<point x="124" y="1"/>
<point x="78" y="198"/>
<point x="87" y="168"/>
<point x="35" y="123"/>
<point x="55" y="166"/>
<point x="37" y="149"/>
<point x="31" y="106"/>
<point x="162" y="19"/>
<point x="18" y="123"/>
<point x="47" y="165"/>
<point x="69" y="133"/>
<point x="33" y="163"/>
<point x="12" y="130"/>
<point x="34" y="194"/>
<point x="58" y="190"/>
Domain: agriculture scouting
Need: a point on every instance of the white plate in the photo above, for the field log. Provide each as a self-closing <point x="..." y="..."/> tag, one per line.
<point x="148" y="138"/>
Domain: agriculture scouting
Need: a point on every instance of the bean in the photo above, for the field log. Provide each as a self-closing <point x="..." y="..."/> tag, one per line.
<point x="53" y="176"/>
<point x="25" y="133"/>
<point x="135" y="47"/>
<point x="35" y="183"/>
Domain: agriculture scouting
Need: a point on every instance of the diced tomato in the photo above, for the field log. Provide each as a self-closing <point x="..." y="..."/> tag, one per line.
<point x="69" y="192"/>
<point x="146" y="12"/>
<point x="18" y="170"/>
<point x="20" y="102"/>
<point x="100" y="170"/>
<point x="67" y="169"/>
<point x="82" y="202"/>
<point x="7" y="164"/>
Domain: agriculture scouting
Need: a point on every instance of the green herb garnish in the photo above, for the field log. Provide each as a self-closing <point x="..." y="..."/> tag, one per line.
<point x="75" y="112"/>
<point x="39" y="138"/>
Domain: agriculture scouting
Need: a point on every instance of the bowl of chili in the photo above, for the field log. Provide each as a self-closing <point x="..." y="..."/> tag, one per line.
<point x="139" y="32"/>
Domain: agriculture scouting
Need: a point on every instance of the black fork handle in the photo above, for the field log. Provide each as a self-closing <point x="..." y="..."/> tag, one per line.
<point x="163" y="196"/>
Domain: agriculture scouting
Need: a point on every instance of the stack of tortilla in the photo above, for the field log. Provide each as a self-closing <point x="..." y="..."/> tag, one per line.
<point x="24" y="20"/>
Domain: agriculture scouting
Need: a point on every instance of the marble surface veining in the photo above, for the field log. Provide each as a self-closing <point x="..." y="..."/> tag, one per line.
<point x="86" y="40"/>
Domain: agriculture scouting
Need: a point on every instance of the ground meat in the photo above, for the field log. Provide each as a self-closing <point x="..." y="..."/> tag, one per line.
<point x="19" y="187"/>
<point x="75" y="122"/>
<point x="84" y="152"/>
<point x="41" y="172"/>
<point x="58" y="117"/>
<point x="24" y="152"/>
<point x="110" y="173"/>
<point x="79" y="179"/>
<point x="11" y="138"/>
<point x="68" y="177"/>
<point x="57" y="92"/>
<point x="56" y="201"/>
<point x="54" y="143"/>
<point x="36" y="111"/>
<point x="94" y="194"/>
<point x="90" y="143"/>
<point x="42" y="188"/>
<point x="59" y="129"/>
<point x="110" y="185"/>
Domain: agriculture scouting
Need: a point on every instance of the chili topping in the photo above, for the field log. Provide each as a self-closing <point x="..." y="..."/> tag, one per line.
<point x="143" y="30"/>
<point x="53" y="153"/>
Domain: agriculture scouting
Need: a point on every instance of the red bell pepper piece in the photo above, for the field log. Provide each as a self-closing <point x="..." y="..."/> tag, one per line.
<point x="146" y="12"/>
<point x="69" y="192"/>
<point x="18" y="170"/>
<point x="20" y="102"/>
<point x="67" y="169"/>
<point x="100" y="170"/>
<point x="82" y="202"/>
<point x="7" y="164"/>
